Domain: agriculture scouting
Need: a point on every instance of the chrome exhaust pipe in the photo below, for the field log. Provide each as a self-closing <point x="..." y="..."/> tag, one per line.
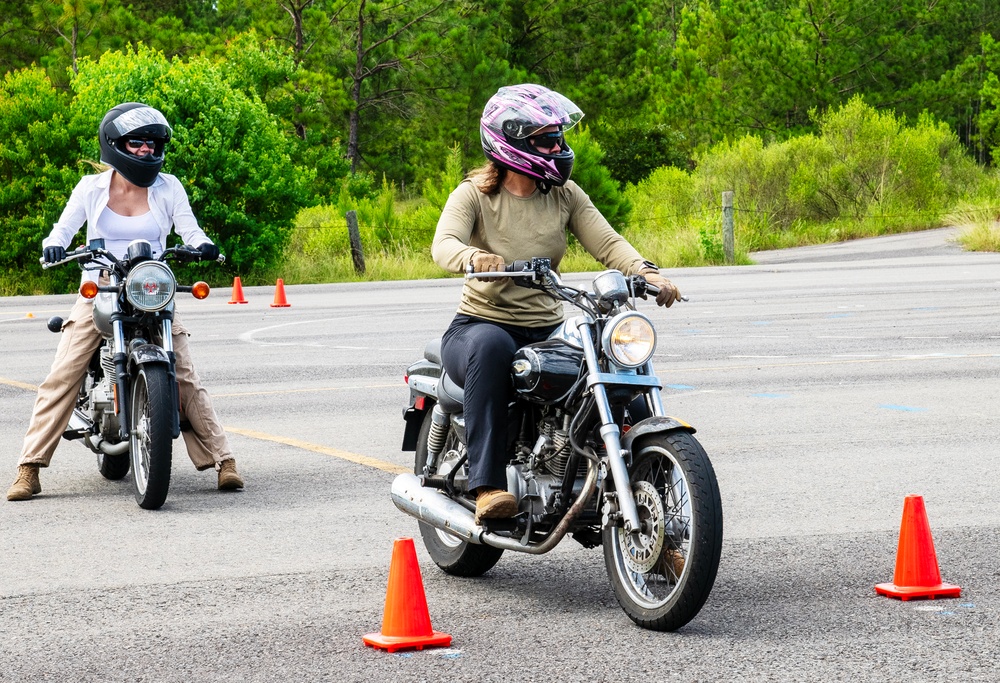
<point x="100" y="443"/>
<point x="434" y="508"/>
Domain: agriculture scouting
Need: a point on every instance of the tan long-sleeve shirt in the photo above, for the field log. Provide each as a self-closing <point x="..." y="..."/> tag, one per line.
<point x="520" y="228"/>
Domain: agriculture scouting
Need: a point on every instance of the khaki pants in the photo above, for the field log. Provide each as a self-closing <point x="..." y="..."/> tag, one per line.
<point x="206" y="441"/>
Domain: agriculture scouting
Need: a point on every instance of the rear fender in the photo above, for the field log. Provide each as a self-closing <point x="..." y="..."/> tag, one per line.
<point x="414" y="418"/>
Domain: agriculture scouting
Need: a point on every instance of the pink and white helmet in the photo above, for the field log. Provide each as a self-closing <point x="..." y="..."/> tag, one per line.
<point x="512" y="119"/>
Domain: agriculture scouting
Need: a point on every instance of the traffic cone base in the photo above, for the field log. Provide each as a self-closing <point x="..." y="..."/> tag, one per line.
<point x="917" y="574"/>
<point x="279" y="295"/>
<point x="237" y="297"/>
<point x="942" y="590"/>
<point x="391" y="643"/>
<point x="406" y="623"/>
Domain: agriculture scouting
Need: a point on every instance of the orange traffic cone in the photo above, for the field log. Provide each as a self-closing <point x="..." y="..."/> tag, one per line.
<point x="279" y="295"/>
<point x="406" y="622"/>
<point x="917" y="574"/>
<point x="237" y="292"/>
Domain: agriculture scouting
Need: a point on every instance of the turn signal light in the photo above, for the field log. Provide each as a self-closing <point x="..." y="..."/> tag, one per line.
<point x="200" y="290"/>
<point x="88" y="289"/>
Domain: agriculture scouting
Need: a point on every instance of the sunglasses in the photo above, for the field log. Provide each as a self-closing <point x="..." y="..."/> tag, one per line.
<point x="548" y="140"/>
<point x="137" y="143"/>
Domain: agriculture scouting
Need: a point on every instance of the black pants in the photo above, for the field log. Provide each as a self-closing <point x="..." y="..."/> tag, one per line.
<point x="477" y="355"/>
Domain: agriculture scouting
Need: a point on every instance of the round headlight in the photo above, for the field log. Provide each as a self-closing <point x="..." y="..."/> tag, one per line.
<point x="150" y="286"/>
<point x="629" y="339"/>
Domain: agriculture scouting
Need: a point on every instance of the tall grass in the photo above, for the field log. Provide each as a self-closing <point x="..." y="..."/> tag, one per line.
<point x="865" y="173"/>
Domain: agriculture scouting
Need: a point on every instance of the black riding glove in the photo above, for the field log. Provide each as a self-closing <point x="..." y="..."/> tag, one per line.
<point x="53" y="254"/>
<point x="209" y="252"/>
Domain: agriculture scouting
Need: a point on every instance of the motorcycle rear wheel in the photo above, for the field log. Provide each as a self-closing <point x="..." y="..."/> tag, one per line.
<point x="453" y="555"/>
<point x="663" y="578"/>
<point x="150" y="441"/>
<point x="113" y="467"/>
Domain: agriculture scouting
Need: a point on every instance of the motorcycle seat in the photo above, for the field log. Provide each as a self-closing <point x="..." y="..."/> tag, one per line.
<point x="432" y="351"/>
<point x="451" y="397"/>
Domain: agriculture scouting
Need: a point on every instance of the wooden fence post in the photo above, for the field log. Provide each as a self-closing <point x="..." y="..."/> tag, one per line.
<point x="728" y="240"/>
<point x="357" y="255"/>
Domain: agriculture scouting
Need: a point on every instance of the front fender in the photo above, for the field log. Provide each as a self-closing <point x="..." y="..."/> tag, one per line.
<point x="654" y="425"/>
<point x="151" y="354"/>
<point x="146" y="354"/>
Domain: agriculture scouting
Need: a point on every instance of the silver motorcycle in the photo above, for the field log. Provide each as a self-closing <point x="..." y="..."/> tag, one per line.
<point x="592" y="453"/>
<point x="128" y="407"/>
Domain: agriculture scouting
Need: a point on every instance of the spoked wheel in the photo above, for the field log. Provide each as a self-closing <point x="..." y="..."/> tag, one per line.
<point x="663" y="574"/>
<point x="449" y="552"/>
<point x="150" y="442"/>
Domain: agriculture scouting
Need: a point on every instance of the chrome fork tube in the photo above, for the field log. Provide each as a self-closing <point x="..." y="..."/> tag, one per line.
<point x="655" y="400"/>
<point x="168" y="336"/>
<point x="120" y="359"/>
<point x="611" y="436"/>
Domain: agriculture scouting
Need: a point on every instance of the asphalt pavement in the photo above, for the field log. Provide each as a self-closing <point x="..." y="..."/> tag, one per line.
<point x="827" y="383"/>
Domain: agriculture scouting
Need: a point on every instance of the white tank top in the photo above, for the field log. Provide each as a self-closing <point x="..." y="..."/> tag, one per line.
<point x="119" y="231"/>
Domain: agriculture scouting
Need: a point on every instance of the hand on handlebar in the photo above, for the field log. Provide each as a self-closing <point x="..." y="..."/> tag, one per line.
<point x="485" y="262"/>
<point x="53" y="254"/>
<point x="668" y="294"/>
<point x="209" y="251"/>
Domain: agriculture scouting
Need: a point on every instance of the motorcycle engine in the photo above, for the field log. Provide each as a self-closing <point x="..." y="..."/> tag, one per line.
<point x="540" y="479"/>
<point x="102" y="397"/>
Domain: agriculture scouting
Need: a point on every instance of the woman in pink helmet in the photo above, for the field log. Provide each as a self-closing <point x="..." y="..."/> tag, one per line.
<point x="518" y="206"/>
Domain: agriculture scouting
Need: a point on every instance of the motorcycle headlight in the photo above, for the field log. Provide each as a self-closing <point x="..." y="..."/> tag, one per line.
<point x="150" y="286"/>
<point x="629" y="339"/>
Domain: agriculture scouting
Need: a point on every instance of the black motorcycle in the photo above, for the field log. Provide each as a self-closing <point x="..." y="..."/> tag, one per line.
<point x="592" y="453"/>
<point x="128" y="408"/>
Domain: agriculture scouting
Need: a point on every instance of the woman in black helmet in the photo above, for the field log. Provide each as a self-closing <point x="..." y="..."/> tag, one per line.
<point x="131" y="200"/>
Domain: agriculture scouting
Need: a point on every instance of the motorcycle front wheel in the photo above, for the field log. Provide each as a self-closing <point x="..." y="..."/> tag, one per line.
<point x="150" y="441"/>
<point x="453" y="555"/>
<point x="663" y="575"/>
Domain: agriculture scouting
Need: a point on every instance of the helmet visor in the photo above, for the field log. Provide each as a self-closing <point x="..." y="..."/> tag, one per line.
<point x="521" y="111"/>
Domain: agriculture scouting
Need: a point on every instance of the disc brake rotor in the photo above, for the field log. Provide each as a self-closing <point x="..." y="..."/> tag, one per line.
<point x="641" y="550"/>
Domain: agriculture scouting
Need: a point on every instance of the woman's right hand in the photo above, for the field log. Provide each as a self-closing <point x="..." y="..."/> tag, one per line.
<point x="485" y="262"/>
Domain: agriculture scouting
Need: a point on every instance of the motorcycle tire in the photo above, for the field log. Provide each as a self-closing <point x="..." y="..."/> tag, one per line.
<point x="663" y="579"/>
<point x="151" y="440"/>
<point x="113" y="467"/>
<point x="453" y="555"/>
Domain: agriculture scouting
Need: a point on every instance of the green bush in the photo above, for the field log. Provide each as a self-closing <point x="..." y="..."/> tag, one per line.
<point x="865" y="173"/>
<point x="227" y="150"/>
<point x="38" y="155"/>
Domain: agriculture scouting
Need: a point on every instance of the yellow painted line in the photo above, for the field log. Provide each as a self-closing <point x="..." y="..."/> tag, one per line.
<point x="19" y="385"/>
<point x="307" y="391"/>
<point x="325" y="450"/>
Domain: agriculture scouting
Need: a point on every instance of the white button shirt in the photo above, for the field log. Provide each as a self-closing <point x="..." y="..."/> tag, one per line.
<point x="168" y="202"/>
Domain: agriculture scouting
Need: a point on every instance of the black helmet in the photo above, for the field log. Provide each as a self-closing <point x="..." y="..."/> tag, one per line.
<point x="134" y="120"/>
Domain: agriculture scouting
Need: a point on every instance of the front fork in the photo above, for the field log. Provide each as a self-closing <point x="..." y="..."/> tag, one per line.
<point x="121" y="354"/>
<point x="611" y="432"/>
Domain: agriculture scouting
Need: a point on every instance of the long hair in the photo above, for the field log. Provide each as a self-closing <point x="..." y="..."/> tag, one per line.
<point x="488" y="178"/>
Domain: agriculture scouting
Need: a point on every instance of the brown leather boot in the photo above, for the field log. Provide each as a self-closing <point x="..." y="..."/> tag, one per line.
<point x="26" y="485"/>
<point x="494" y="504"/>
<point x="229" y="478"/>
